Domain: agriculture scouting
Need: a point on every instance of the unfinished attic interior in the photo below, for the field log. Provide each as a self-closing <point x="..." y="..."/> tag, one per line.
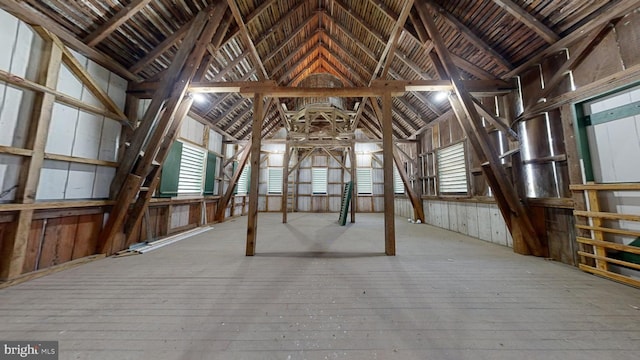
<point x="489" y="148"/>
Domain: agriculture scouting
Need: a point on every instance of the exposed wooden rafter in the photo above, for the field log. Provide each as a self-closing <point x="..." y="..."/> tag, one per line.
<point x="529" y="20"/>
<point x="114" y="22"/>
<point x="470" y="35"/>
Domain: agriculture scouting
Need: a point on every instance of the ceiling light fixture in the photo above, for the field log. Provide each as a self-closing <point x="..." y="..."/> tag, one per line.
<point x="199" y="98"/>
<point x="441" y="96"/>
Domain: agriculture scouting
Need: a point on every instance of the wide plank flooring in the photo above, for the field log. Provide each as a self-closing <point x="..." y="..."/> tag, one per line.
<point x="316" y="290"/>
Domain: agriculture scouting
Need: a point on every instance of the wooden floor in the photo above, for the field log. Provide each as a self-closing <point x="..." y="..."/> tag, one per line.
<point x="317" y="290"/>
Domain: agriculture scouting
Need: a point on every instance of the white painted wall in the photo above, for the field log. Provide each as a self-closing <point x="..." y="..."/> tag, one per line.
<point x="192" y="130"/>
<point x="19" y="57"/>
<point x="78" y="133"/>
<point x="72" y="132"/>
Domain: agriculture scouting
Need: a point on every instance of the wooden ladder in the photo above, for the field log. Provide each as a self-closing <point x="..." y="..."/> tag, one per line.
<point x="291" y="195"/>
<point x="346" y="201"/>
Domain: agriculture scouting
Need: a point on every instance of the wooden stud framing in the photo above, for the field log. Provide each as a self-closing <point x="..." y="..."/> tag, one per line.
<point x="14" y="249"/>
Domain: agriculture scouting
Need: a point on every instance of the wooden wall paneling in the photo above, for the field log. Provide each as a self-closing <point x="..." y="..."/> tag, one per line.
<point x="628" y="32"/>
<point x="604" y="60"/>
<point x="560" y="232"/>
<point x="445" y="132"/>
<point x="36" y="237"/>
<point x="87" y="235"/>
<point x="550" y="65"/>
<point x="531" y="85"/>
<point x="58" y="242"/>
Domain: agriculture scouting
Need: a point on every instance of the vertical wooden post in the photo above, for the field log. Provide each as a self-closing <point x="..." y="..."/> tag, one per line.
<point x="387" y="158"/>
<point x="256" y="130"/>
<point x="14" y="249"/>
<point x="285" y="183"/>
<point x="354" y="195"/>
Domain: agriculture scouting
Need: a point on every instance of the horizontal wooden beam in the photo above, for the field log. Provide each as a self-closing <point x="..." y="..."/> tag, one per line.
<point x="377" y="88"/>
<point x="54" y="205"/>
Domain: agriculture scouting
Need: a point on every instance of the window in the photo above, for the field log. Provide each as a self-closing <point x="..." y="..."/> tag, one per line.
<point x="242" y="188"/>
<point x="319" y="180"/>
<point x="191" y="174"/>
<point x="398" y="185"/>
<point x="274" y="183"/>
<point x="452" y="172"/>
<point x="364" y="181"/>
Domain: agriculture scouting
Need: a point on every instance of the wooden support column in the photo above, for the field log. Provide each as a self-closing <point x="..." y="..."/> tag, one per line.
<point x="387" y="157"/>
<point x="256" y="130"/>
<point x="516" y="215"/>
<point x="285" y="183"/>
<point x="14" y="248"/>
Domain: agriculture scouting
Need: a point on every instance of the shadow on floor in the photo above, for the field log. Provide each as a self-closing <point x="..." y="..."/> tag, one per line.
<point x="319" y="254"/>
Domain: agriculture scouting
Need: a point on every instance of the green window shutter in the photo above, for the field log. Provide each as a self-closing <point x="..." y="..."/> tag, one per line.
<point x="171" y="172"/>
<point x="210" y="174"/>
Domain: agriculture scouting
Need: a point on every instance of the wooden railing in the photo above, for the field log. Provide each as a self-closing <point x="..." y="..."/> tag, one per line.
<point x="597" y="252"/>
